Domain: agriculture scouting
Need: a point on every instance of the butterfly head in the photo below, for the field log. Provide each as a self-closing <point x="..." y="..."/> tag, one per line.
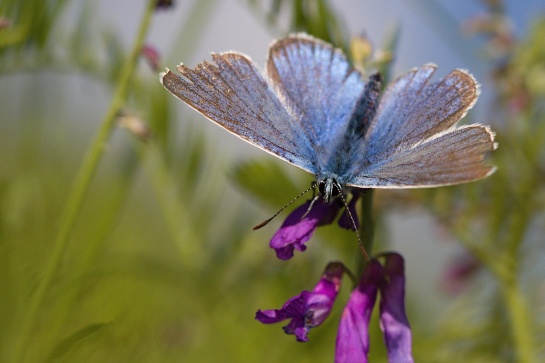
<point x="329" y="188"/>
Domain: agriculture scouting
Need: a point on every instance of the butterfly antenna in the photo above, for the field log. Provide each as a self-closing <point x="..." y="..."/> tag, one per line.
<point x="264" y="223"/>
<point x="360" y="243"/>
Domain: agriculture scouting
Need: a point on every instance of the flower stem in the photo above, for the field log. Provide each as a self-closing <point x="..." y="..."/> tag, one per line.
<point x="521" y="327"/>
<point x="367" y="228"/>
<point x="81" y="187"/>
<point x="520" y="322"/>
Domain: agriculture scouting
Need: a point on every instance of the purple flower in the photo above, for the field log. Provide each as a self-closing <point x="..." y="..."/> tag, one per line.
<point x="308" y="309"/>
<point x="353" y="338"/>
<point x="311" y="308"/>
<point x="151" y="55"/>
<point x="4" y="22"/>
<point x="457" y="275"/>
<point x="393" y="320"/>
<point x="164" y="4"/>
<point x="303" y="221"/>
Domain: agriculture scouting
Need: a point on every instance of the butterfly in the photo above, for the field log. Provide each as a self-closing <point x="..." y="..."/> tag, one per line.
<point x="315" y="111"/>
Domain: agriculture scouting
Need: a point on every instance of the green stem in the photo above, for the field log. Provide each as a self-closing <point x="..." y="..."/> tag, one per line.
<point x="505" y="267"/>
<point x="179" y="221"/>
<point x="96" y="243"/>
<point x="521" y="327"/>
<point x="520" y="322"/>
<point x="81" y="186"/>
<point x="367" y="228"/>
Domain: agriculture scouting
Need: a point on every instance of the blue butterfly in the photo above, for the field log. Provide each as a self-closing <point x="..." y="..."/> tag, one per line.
<point x="313" y="110"/>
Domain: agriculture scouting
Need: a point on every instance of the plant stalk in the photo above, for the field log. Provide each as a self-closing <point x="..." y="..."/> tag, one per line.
<point x="520" y="322"/>
<point x="81" y="187"/>
<point x="367" y="229"/>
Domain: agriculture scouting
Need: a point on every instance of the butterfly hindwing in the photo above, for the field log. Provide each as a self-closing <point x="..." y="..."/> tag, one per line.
<point x="450" y="158"/>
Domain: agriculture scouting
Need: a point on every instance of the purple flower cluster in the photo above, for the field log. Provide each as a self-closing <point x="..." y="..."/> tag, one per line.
<point x="310" y="308"/>
<point x="303" y="221"/>
<point x="352" y="339"/>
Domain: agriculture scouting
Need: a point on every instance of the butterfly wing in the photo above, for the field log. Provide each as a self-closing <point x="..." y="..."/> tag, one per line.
<point x="316" y="83"/>
<point x="413" y="141"/>
<point x="232" y="93"/>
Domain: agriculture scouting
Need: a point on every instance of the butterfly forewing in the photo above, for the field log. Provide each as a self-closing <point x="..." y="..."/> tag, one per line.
<point x="233" y="94"/>
<point x="315" y="81"/>
<point x="413" y="109"/>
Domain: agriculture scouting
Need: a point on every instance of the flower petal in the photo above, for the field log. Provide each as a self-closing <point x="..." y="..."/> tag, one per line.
<point x="296" y="230"/>
<point x="393" y="320"/>
<point x="294" y="307"/>
<point x="308" y="309"/>
<point x="151" y="55"/>
<point x="352" y="343"/>
<point x="325" y="293"/>
<point x="456" y="276"/>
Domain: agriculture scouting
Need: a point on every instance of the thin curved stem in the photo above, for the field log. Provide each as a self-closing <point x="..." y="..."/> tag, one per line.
<point x="522" y="330"/>
<point x="367" y="228"/>
<point x="519" y="319"/>
<point x="81" y="186"/>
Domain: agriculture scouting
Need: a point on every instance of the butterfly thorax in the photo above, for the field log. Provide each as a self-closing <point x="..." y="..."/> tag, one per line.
<point x="346" y="154"/>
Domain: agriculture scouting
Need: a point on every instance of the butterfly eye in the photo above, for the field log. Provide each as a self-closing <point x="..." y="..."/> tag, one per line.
<point x="321" y="187"/>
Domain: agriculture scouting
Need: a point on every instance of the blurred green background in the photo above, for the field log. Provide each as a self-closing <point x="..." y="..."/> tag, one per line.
<point x="126" y="219"/>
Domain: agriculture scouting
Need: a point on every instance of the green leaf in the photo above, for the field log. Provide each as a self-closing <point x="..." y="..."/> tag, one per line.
<point x="70" y="342"/>
<point x="268" y="182"/>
